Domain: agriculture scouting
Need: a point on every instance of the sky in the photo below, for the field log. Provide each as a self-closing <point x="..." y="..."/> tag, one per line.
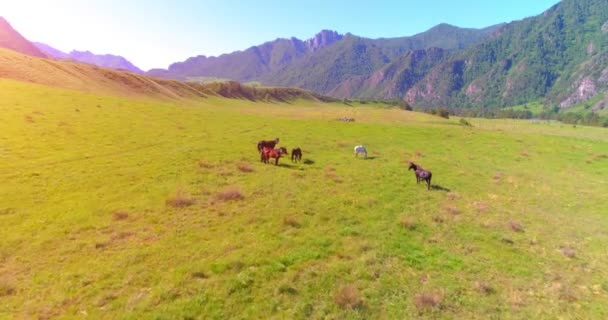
<point x="156" y="33"/>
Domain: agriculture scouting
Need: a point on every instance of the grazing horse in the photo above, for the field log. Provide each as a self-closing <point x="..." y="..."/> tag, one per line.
<point x="268" y="153"/>
<point x="360" y="149"/>
<point x="296" y="155"/>
<point x="267" y="144"/>
<point x="421" y="174"/>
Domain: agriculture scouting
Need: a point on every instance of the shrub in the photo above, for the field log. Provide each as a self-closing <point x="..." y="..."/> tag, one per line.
<point x="442" y="112"/>
<point x="465" y="122"/>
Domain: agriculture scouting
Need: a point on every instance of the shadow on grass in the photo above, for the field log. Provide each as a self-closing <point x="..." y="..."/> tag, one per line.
<point x="369" y="158"/>
<point x="287" y="165"/>
<point x="308" y="162"/>
<point x="439" y="188"/>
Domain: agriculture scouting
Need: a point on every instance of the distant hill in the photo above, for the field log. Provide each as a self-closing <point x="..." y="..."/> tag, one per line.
<point x="89" y="78"/>
<point x="13" y="40"/>
<point x="100" y="60"/>
<point x="319" y="63"/>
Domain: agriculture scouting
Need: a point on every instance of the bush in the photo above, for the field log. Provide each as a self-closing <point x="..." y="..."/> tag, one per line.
<point x="465" y="122"/>
<point x="405" y="106"/>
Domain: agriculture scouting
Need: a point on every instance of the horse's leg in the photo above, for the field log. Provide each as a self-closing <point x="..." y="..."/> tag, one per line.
<point x="429" y="183"/>
<point x="276" y="162"/>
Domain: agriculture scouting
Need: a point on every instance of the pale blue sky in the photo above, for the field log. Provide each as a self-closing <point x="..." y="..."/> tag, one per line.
<point x="155" y="33"/>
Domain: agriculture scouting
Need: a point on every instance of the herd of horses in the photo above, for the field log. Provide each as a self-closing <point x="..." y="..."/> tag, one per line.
<point x="267" y="150"/>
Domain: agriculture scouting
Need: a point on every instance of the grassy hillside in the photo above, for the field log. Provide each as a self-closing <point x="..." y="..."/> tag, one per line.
<point x="122" y="208"/>
<point x="92" y="79"/>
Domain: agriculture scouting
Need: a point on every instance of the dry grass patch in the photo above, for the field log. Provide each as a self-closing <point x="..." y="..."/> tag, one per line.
<point x="516" y="298"/>
<point x="181" y="199"/>
<point x="428" y="300"/>
<point x="453" y="195"/>
<point x="438" y="219"/>
<point x="408" y="223"/>
<point x="484" y="288"/>
<point x="204" y="164"/>
<point x="516" y="226"/>
<point x="452" y="210"/>
<point x="568" y="252"/>
<point x="120" y="215"/>
<point x="480" y="206"/>
<point x="245" y="167"/>
<point x="231" y="194"/>
<point x="292" y="221"/>
<point x="348" y="297"/>
<point x="199" y="275"/>
<point x="7" y="288"/>
<point x="497" y="177"/>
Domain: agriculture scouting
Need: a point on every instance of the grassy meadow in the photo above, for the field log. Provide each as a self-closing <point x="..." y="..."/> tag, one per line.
<point x="118" y="208"/>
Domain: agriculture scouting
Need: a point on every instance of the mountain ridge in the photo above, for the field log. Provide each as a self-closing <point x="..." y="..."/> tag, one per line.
<point x="101" y="60"/>
<point x="270" y="60"/>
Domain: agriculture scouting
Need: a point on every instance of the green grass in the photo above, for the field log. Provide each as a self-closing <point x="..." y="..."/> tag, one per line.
<point x="535" y="107"/>
<point x="90" y="227"/>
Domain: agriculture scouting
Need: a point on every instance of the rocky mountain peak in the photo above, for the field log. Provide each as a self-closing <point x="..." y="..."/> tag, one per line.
<point x="323" y="39"/>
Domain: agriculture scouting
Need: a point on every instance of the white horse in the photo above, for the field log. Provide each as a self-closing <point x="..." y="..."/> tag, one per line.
<point x="360" y="149"/>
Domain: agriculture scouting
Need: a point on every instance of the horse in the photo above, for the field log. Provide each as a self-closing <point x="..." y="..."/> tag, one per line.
<point x="296" y="155"/>
<point x="267" y="144"/>
<point x="360" y="149"/>
<point x="421" y="174"/>
<point x="268" y="153"/>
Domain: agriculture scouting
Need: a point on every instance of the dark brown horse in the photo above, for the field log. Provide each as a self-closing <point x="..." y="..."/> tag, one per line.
<point x="296" y="155"/>
<point x="267" y="144"/>
<point x="268" y="153"/>
<point x="421" y="174"/>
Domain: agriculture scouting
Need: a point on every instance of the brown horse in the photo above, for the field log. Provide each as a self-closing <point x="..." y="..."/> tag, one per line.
<point x="268" y="153"/>
<point x="421" y="174"/>
<point x="296" y="155"/>
<point x="267" y="144"/>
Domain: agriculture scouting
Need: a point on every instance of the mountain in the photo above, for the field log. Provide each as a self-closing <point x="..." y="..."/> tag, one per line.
<point x="100" y="60"/>
<point x="12" y="40"/>
<point x="50" y="51"/>
<point x="319" y="63"/>
<point x="560" y="56"/>
<point x="249" y="64"/>
<point x="393" y="80"/>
